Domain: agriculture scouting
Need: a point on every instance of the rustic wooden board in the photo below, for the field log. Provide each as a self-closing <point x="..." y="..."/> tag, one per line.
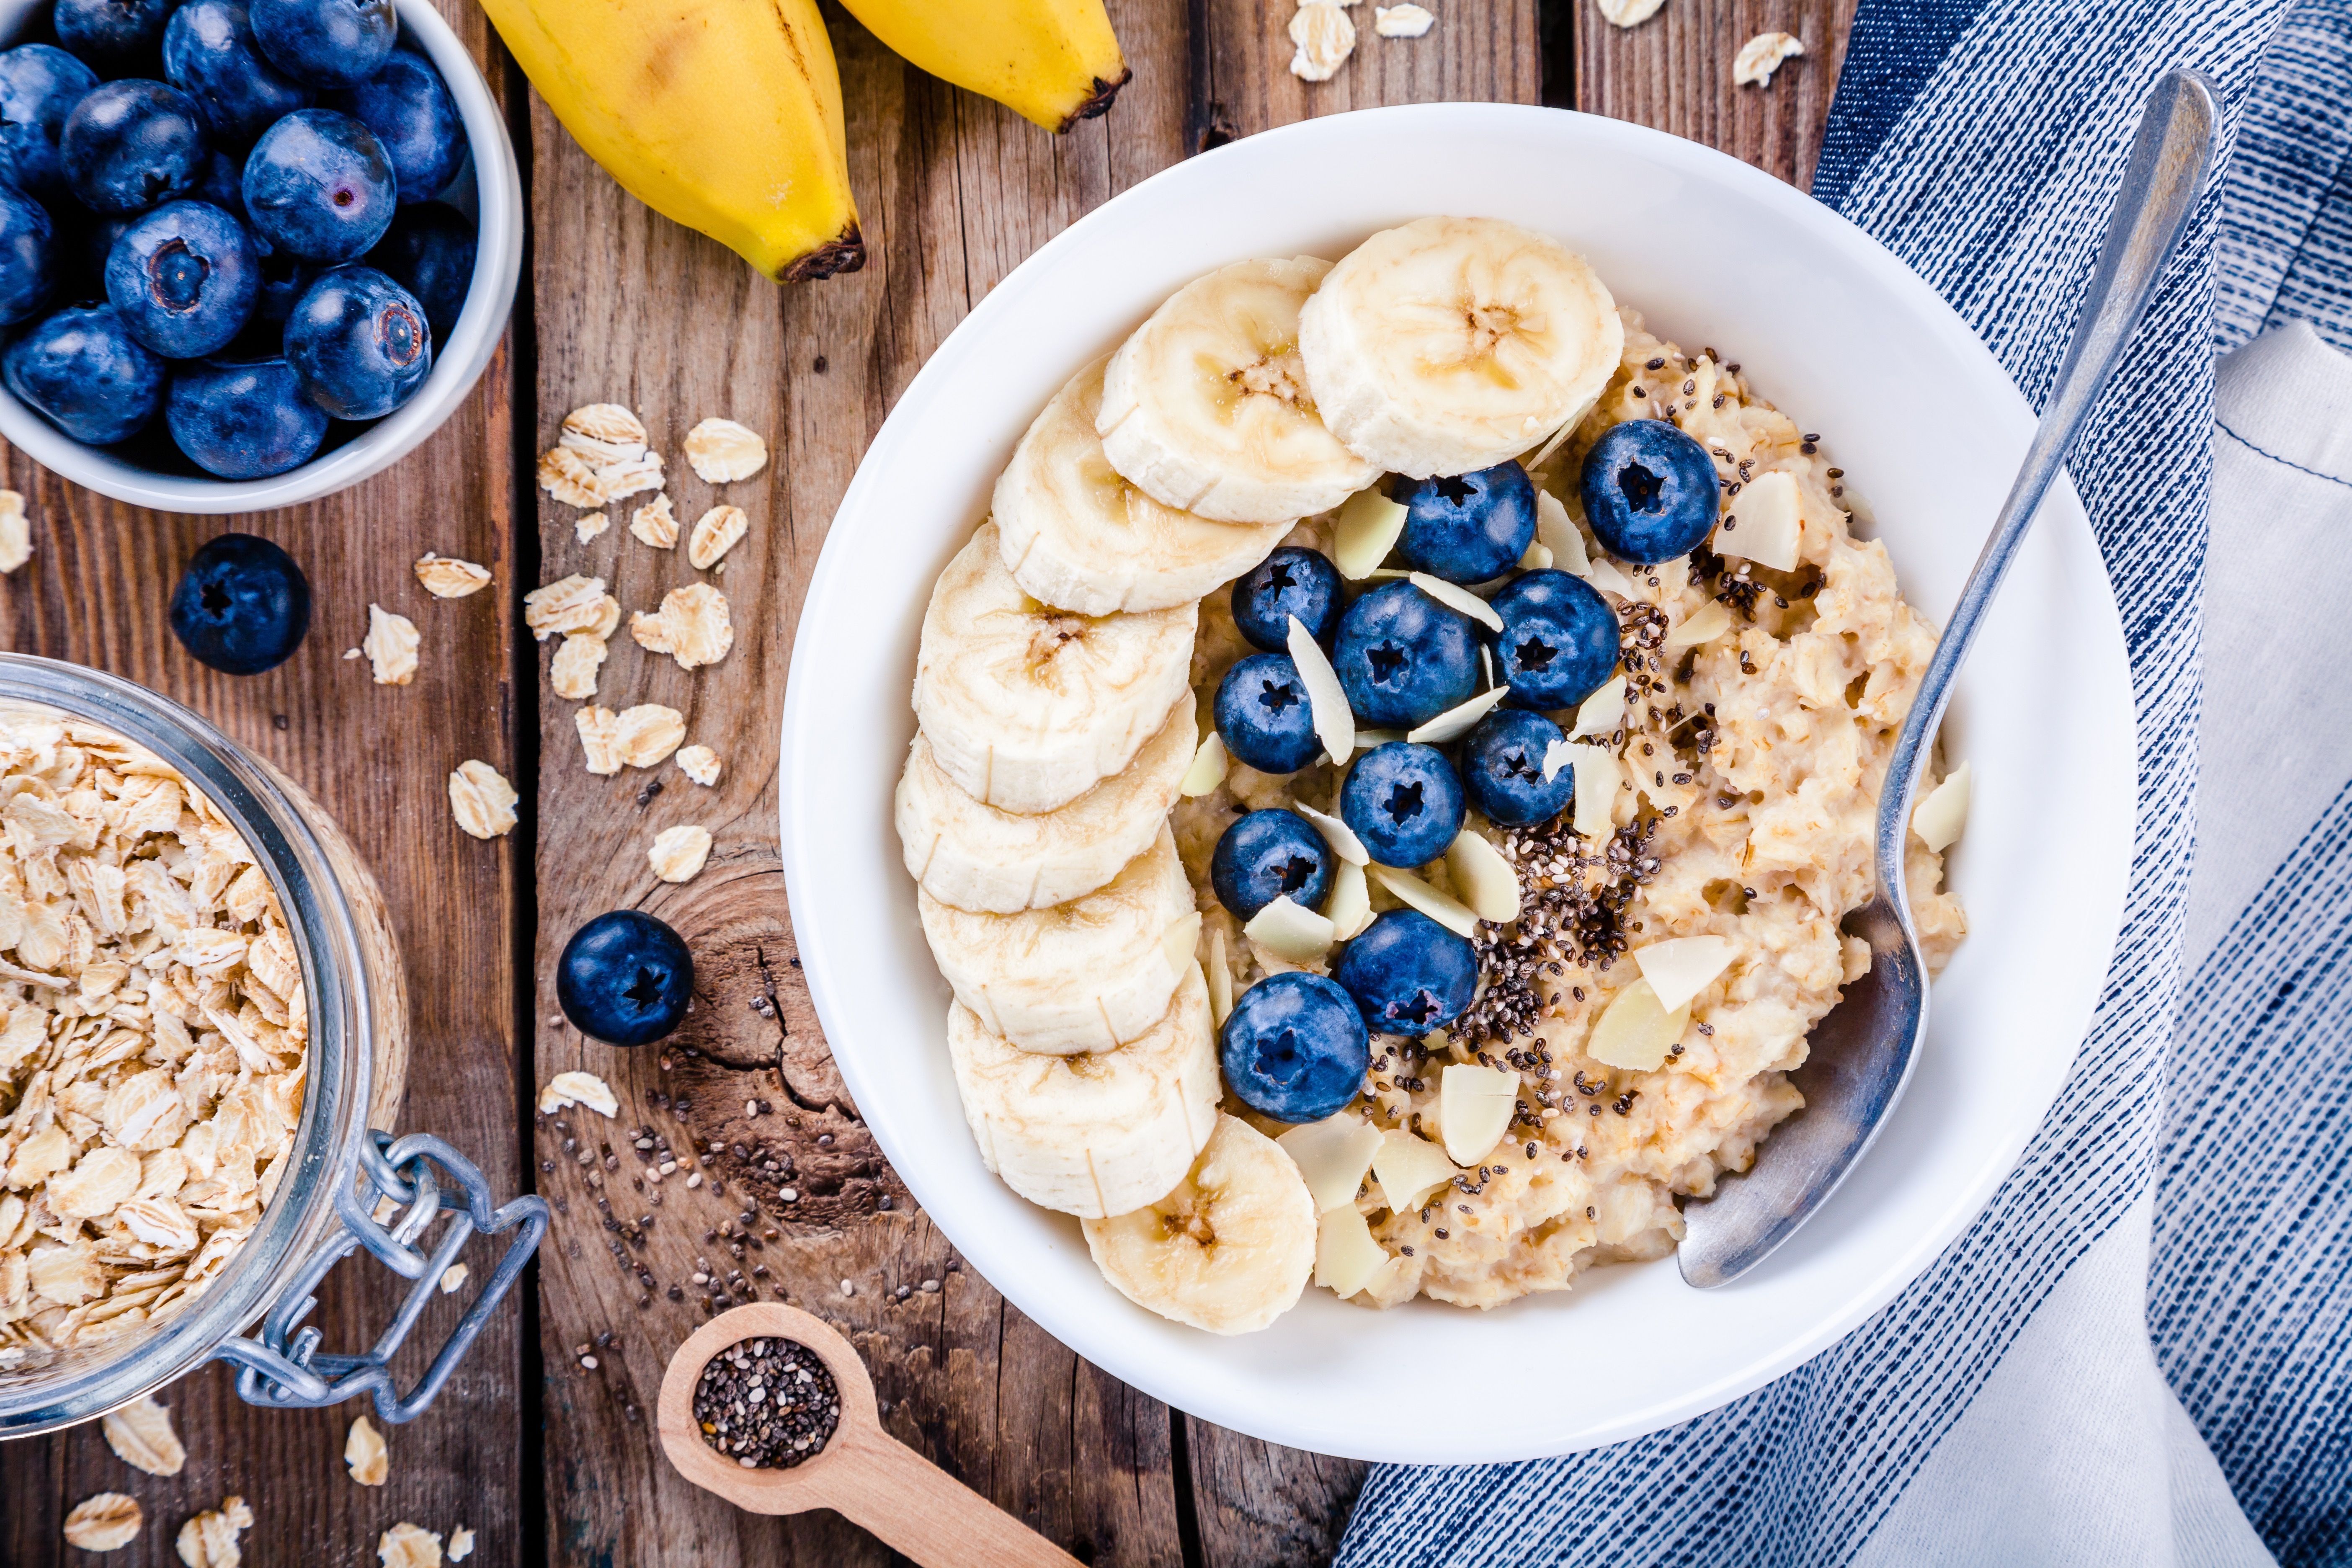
<point x="376" y="757"/>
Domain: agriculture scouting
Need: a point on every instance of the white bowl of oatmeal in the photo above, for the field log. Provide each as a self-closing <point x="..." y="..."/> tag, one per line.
<point x="1920" y="420"/>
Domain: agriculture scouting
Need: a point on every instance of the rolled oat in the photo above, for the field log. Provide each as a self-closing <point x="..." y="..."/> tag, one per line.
<point x="1761" y="56"/>
<point x="715" y="533"/>
<point x="1325" y="38"/>
<point x="589" y="525"/>
<point x="573" y="604"/>
<point x="571" y="674"/>
<point x="106" y="1522"/>
<point x="721" y="450"/>
<point x="578" y="1088"/>
<point x="678" y="853"/>
<point x="648" y="733"/>
<point x="692" y="626"/>
<point x="600" y="738"/>
<point x="365" y="1453"/>
<point x="16" y="531"/>
<point x="461" y="1544"/>
<point x="654" y="524"/>
<point x="209" y="1539"/>
<point x="699" y="764"/>
<point x="406" y="1545"/>
<point x="481" y="800"/>
<point x="391" y="646"/>
<point x="446" y="577"/>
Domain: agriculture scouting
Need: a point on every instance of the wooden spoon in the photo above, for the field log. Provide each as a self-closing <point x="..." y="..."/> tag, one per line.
<point x="864" y="1473"/>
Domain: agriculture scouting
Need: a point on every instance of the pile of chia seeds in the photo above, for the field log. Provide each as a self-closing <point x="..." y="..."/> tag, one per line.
<point x="768" y="1405"/>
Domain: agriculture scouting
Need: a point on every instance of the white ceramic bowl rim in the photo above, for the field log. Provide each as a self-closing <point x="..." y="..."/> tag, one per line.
<point x="457" y="364"/>
<point x="1853" y="344"/>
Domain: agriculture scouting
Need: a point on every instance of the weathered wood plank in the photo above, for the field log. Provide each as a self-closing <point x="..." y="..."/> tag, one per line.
<point x="376" y="757"/>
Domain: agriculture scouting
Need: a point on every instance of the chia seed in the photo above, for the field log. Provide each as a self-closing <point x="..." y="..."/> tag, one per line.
<point x="767" y="1404"/>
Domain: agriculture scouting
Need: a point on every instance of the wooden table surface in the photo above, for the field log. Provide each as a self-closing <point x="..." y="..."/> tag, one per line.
<point x="547" y="1460"/>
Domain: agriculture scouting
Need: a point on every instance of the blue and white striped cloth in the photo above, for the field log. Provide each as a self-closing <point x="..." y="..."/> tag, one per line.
<point x="2142" y="1352"/>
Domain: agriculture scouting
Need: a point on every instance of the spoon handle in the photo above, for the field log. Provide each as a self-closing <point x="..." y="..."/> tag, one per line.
<point x="2171" y="156"/>
<point x="928" y="1515"/>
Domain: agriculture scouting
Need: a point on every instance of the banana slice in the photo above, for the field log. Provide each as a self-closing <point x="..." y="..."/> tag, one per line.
<point x="1027" y="706"/>
<point x="1451" y="343"/>
<point x="1228" y="1250"/>
<point x="1088" y="975"/>
<point x="1077" y="535"/>
<point x="1099" y="1133"/>
<point x="973" y="856"/>
<point x="1205" y="407"/>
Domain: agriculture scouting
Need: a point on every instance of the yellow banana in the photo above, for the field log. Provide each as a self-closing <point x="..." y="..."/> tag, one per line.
<point x="723" y="114"/>
<point x="1053" y="61"/>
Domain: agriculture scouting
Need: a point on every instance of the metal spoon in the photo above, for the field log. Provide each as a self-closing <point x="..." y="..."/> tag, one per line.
<point x="1862" y="1053"/>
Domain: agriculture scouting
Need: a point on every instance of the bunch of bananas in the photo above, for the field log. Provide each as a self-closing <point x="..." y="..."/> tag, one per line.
<point x="726" y="114"/>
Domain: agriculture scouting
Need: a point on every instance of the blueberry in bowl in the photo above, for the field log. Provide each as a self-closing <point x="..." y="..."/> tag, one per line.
<point x="1403" y="659"/>
<point x="1404" y="802"/>
<point x="39" y="86"/>
<point x="359" y="341"/>
<point x="242" y="606"/>
<point x="317" y="185"/>
<point x="117" y="35"/>
<point x="129" y="145"/>
<point x="1503" y="769"/>
<point x="1270" y="855"/>
<point x="243" y="420"/>
<point x="1290" y="582"/>
<point x="327" y="43"/>
<point x="1408" y="975"/>
<point x="83" y="373"/>
<point x="1559" y="641"/>
<point x="184" y="278"/>
<point x="1264" y="714"/>
<point x="429" y="251"/>
<point x="624" y="978"/>
<point x="1295" y="1048"/>
<point x="1650" y="492"/>
<point x="1468" y="528"/>
<point x="408" y="107"/>
<point x="28" y="256"/>
<point x="209" y="52"/>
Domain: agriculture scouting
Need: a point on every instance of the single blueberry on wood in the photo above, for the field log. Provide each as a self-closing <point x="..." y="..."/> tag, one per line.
<point x="624" y="978"/>
<point x="242" y="606"/>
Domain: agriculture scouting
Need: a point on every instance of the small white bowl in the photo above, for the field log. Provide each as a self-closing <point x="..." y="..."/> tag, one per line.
<point x="1832" y="328"/>
<point x="457" y="364"/>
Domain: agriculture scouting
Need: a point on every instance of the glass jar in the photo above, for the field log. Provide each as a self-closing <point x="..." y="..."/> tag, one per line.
<point x="339" y="1167"/>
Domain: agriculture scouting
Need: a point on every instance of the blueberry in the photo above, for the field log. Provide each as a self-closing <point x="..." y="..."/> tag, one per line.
<point x="408" y="107"/>
<point x="244" y="421"/>
<point x="1269" y="855"/>
<point x="1403" y="659"/>
<point x="1404" y="802"/>
<point x="1408" y="973"/>
<point x="624" y="978"/>
<point x="1264" y="714"/>
<point x="1650" y="492"/>
<point x="223" y="184"/>
<point x="327" y="43"/>
<point x="284" y="280"/>
<point x="209" y="54"/>
<point x="1558" y="640"/>
<point x="118" y="36"/>
<point x="429" y="251"/>
<point x="129" y="145"/>
<point x="28" y="256"/>
<point x="1468" y="528"/>
<point x="182" y="279"/>
<point x="91" y="378"/>
<point x="39" y="86"/>
<point x="318" y="186"/>
<point x="1293" y="1047"/>
<point x="1290" y="582"/>
<point x="359" y="341"/>
<point x="242" y="606"/>
<point x="1503" y="769"/>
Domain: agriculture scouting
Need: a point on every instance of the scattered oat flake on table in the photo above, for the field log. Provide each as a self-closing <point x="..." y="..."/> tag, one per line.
<point x="391" y="646"/>
<point x="1628" y="13"/>
<point x="1325" y="38"/>
<point x="578" y="1088"/>
<point x="106" y="1522"/>
<point x="209" y="1539"/>
<point x="406" y="1545"/>
<point x="364" y="1452"/>
<point x="715" y="533"/>
<point x="1761" y="56"/>
<point x="571" y="674"/>
<point x="567" y="475"/>
<point x="461" y="1544"/>
<point x="1406" y="21"/>
<point x="678" y="852"/>
<point x="699" y="764"/>
<point x="481" y="800"/>
<point x="648" y="733"/>
<point x="692" y="626"/>
<point x="600" y="738"/>
<point x="601" y="457"/>
<point x="453" y="1278"/>
<point x="654" y="524"/>
<point x="141" y="1435"/>
<point x="573" y="604"/>
<point x="589" y="524"/>
<point x="446" y="577"/>
<point x="721" y="450"/>
<point x="16" y="531"/>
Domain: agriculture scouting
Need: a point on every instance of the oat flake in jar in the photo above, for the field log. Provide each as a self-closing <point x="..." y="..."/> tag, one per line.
<point x="202" y="1023"/>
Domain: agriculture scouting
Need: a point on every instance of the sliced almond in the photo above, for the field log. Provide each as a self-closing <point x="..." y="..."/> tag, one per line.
<point x="1458" y="599"/>
<point x="1220" y="974"/>
<point x="1475" y="1105"/>
<point x="1411" y="890"/>
<point x="1761" y="523"/>
<point x="1557" y="531"/>
<point x="1458" y="720"/>
<point x="1487" y="882"/>
<point x="1291" y="932"/>
<point x="1333" y="1155"/>
<point x="1637" y="1030"/>
<point x="1409" y="1169"/>
<point x="1604" y="574"/>
<point x="1939" y="818"/>
<point x="1350" y="907"/>
<point x="1536" y="557"/>
<point x="1346" y="1256"/>
<point x="1370" y="525"/>
<point x="1336" y="834"/>
<point x="1558" y="754"/>
<point x="1701" y="626"/>
<point x="1601" y="712"/>
<point x="1598" y="777"/>
<point x="1334" y="723"/>
<point x="578" y="1088"/>
<point x="1208" y="769"/>
<point x="1681" y="967"/>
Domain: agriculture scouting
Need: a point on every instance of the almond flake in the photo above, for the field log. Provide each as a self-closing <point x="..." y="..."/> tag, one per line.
<point x="648" y="733"/>
<point x="715" y="533"/>
<point x="573" y="604"/>
<point x="446" y="577"/>
<point x="569" y="478"/>
<point x="1459" y="721"/>
<point x="600" y="738"/>
<point x="607" y="423"/>
<point x="16" y="533"/>
<point x="106" y="1522"/>
<point x="1406" y="21"/>
<point x="721" y="450"/>
<point x="1629" y="13"/>
<point x="678" y="852"/>
<point x="1458" y="599"/>
<point x="391" y="646"/>
<point x="692" y="626"/>
<point x="481" y="800"/>
<point x="589" y="524"/>
<point x="571" y="674"/>
<point x="461" y="1544"/>
<point x="1325" y="38"/>
<point x="365" y="1453"/>
<point x="141" y="1435"/>
<point x="699" y="764"/>
<point x="209" y="1539"/>
<point x="406" y="1545"/>
<point x="1335" y="721"/>
<point x="1761" y="56"/>
<point x="578" y="1088"/>
<point x="654" y="524"/>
